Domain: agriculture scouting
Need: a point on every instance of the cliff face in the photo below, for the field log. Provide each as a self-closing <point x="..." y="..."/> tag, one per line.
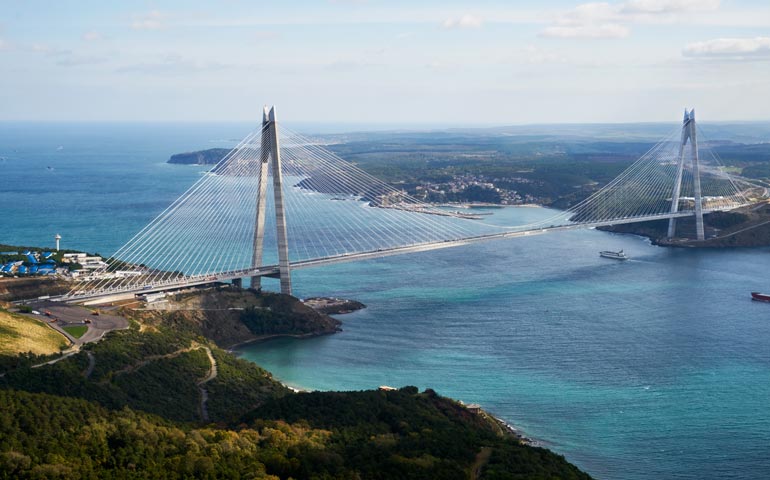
<point x="24" y="288"/>
<point x="212" y="156"/>
<point x="230" y="316"/>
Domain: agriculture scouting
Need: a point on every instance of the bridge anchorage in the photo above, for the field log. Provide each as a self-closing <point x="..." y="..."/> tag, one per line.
<point x="279" y="202"/>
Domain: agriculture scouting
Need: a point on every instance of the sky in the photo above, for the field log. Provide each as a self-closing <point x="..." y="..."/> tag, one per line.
<point x="385" y="61"/>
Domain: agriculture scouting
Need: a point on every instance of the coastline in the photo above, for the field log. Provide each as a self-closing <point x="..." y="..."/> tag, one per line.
<point x="323" y="305"/>
<point x="507" y="427"/>
<point x="320" y="304"/>
<point x="467" y="205"/>
<point x="519" y="434"/>
<point x="274" y="336"/>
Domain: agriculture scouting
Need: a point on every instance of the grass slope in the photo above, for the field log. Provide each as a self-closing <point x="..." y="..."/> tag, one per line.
<point x="21" y="335"/>
<point x="76" y="331"/>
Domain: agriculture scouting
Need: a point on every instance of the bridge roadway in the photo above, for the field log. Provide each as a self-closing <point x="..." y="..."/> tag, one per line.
<point x="117" y="294"/>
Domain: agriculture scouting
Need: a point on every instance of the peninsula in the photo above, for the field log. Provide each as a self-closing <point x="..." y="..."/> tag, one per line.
<point x="211" y="156"/>
<point x="162" y="398"/>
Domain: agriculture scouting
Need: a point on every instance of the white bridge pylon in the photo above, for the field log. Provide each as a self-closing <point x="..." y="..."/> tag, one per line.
<point x="280" y="201"/>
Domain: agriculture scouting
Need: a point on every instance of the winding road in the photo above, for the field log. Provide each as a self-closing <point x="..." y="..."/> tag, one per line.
<point x="213" y="371"/>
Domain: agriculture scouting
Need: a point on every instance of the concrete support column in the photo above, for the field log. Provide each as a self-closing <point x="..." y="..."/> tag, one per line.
<point x="699" y="231"/>
<point x="280" y="215"/>
<point x="259" y="223"/>
<point x="688" y="133"/>
<point x="678" y="182"/>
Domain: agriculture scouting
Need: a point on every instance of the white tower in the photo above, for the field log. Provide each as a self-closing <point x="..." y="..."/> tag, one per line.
<point x="688" y="133"/>
<point x="57" y="238"/>
<point x="271" y="150"/>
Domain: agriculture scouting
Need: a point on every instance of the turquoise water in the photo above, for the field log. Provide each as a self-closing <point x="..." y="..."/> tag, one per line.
<point x="652" y="368"/>
<point x="658" y="367"/>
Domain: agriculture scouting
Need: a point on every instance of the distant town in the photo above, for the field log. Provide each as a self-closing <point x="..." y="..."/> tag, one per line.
<point x="74" y="265"/>
<point x="36" y="262"/>
<point x="476" y="188"/>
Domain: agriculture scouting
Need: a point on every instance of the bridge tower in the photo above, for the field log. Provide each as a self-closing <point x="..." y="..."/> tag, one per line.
<point x="688" y="133"/>
<point x="270" y="149"/>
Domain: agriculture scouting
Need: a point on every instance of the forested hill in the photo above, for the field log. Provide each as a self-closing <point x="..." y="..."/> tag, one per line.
<point x="373" y="435"/>
<point x="212" y="156"/>
<point x="556" y="165"/>
<point x="162" y="400"/>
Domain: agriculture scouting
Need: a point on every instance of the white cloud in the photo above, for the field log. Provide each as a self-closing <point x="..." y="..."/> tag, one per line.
<point x="92" y="36"/>
<point x="737" y="48"/>
<point x="589" y="20"/>
<point x="152" y="20"/>
<point x="604" y="30"/>
<point x="590" y="12"/>
<point x="466" y="21"/>
<point x="606" y="20"/>
<point x="3" y="44"/>
<point x="669" y="6"/>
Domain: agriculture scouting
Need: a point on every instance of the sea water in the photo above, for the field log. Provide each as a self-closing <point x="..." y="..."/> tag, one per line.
<point x="656" y="367"/>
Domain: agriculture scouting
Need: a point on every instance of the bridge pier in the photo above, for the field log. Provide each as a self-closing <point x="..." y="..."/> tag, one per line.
<point x="270" y="148"/>
<point x="688" y="133"/>
<point x="259" y="223"/>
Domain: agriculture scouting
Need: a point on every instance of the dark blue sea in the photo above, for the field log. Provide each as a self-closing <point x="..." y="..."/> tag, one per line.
<point x="657" y="367"/>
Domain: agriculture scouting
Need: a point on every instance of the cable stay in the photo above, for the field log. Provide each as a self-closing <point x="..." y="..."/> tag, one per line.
<point x="279" y="200"/>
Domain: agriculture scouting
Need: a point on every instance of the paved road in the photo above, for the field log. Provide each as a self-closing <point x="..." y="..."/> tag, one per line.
<point x="74" y="315"/>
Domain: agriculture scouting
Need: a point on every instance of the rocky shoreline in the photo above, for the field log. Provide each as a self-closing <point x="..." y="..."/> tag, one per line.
<point x="516" y="432"/>
<point x="264" y="338"/>
<point x="333" y="305"/>
<point x="744" y="227"/>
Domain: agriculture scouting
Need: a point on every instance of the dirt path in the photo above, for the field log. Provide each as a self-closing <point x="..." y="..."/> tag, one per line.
<point x="152" y="358"/>
<point x="481" y="459"/>
<point x="65" y="354"/>
<point x="213" y="371"/>
<point x="211" y="375"/>
<point x="91" y="365"/>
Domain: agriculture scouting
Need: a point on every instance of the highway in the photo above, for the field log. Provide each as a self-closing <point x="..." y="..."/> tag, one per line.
<point x="118" y="293"/>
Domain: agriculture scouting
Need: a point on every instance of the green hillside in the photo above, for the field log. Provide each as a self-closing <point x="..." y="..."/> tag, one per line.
<point x="161" y="400"/>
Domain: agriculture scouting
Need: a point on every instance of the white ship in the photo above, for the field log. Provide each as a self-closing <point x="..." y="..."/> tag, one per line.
<point x="614" y="255"/>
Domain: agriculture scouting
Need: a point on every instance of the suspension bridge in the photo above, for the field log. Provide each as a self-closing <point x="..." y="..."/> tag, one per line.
<point x="279" y="202"/>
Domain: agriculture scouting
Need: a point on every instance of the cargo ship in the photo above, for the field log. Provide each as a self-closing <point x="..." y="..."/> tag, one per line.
<point x="760" y="297"/>
<point x="614" y="255"/>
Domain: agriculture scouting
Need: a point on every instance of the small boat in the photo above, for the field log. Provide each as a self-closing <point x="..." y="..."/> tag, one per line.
<point x="614" y="255"/>
<point x="760" y="297"/>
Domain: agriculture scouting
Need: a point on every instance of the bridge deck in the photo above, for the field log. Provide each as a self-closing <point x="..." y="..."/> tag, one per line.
<point x="117" y="293"/>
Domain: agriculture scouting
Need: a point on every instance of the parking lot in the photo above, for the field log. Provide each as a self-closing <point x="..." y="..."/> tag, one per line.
<point x="70" y="315"/>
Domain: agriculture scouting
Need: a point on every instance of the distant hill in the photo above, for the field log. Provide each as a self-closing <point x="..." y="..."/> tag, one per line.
<point x="744" y="227"/>
<point x="212" y="156"/>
